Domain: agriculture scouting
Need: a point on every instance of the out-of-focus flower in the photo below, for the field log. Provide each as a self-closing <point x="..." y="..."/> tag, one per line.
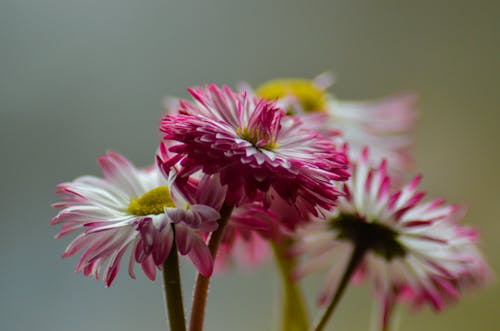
<point x="302" y="95"/>
<point x="413" y="250"/>
<point x="251" y="231"/>
<point x="385" y="125"/>
<point x="245" y="240"/>
<point x="254" y="148"/>
<point x="137" y="208"/>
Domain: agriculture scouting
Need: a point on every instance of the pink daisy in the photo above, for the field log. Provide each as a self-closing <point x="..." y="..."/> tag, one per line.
<point x="137" y="208"/>
<point x="254" y="148"/>
<point x="413" y="250"/>
<point x="385" y="125"/>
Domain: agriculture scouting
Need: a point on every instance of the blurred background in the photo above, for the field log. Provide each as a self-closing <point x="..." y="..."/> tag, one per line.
<point x="80" y="77"/>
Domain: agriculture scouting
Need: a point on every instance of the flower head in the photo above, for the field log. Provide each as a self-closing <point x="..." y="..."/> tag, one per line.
<point x="414" y="250"/>
<point x="303" y="95"/>
<point x="384" y="125"/>
<point x="131" y="207"/>
<point x="254" y="148"/>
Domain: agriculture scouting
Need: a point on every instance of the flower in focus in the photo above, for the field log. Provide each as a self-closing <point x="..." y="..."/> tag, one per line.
<point x="413" y="250"/>
<point x="254" y="148"/>
<point x="384" y="125"/>
<point x="131" y="207"/>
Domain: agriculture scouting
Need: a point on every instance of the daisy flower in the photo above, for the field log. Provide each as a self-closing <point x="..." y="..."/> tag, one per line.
<point x="408" y="249"/>
<point x="254" y="148"/>
<point x="134" y="208"/>
<point x="385" y="125"/>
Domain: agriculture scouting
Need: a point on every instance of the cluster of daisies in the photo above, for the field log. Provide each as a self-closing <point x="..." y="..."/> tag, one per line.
<point x="285" y="166"/>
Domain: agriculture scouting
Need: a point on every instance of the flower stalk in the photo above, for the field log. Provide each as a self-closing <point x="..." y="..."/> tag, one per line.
<point x="356" y="257"/>
<point x="294" y="311"/>
<point x="202" y="284"/>
<point x="173" y="291"/>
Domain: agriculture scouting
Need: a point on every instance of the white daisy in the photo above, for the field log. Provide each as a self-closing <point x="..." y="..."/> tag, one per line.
<point x="138" y="208"/>
<point x="407" y="249"/>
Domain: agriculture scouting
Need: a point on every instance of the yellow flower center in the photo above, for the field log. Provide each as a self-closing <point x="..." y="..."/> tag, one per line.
<point x="311" y="97"/>
<point x="254" y="137"/>
<point x="152" y="202"/>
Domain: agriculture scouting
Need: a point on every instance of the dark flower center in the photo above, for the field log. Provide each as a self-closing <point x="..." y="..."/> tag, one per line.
<point x="372" y="236"/>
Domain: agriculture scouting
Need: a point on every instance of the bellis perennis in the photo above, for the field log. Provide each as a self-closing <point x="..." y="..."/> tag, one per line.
<point x="239" y="175"/>
<point x="385" y="125"/>
<point x="254" y="148"/>
<point x="137" y="208"/>
<point x="410" y="250"/>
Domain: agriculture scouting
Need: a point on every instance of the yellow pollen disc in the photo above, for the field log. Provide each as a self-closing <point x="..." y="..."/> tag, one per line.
<point x="254" y="137"/>
<point x="311" y="97"/>
<point x="152" y="202"/>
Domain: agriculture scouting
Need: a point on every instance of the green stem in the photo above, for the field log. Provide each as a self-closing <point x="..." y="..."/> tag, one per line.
<point x="202" y="284"/>
<point x="173" y="291"/>
<point x="294" y="313"/>
<point x="356" y="257"/>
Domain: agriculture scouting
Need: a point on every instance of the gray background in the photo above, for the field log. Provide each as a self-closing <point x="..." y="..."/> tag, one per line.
<point x="79" y="77"/>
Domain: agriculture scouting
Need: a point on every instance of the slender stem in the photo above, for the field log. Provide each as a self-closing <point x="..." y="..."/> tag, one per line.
<point x="173" y="291"/>
<point x="294" y="313"/>
<point x="202" y="282"/>
<point x="356" y="257"/>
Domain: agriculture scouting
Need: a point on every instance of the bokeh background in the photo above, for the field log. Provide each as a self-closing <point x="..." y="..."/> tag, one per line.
<point x="80" y="77"/>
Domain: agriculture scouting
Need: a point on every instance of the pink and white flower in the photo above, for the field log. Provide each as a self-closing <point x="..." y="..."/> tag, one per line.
<point x="414" y="251"/>
<point x="254" y="148"/>
<point x="385" y="125"/>
<point x="135" y="208"/>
